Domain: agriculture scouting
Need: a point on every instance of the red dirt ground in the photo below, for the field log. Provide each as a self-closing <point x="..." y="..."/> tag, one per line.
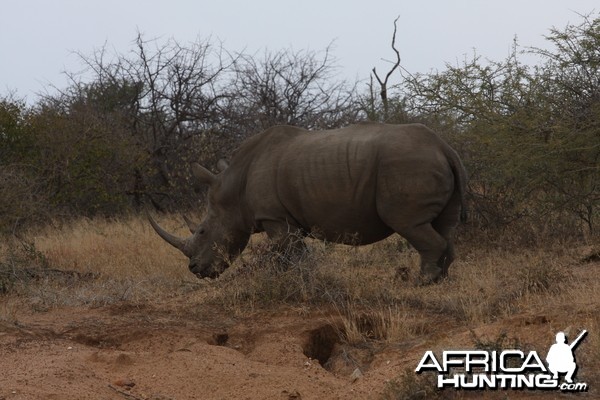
<point x="125" y="352"/>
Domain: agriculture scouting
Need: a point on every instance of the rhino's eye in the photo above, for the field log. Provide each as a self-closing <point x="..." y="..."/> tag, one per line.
<point x="201" y="231"/>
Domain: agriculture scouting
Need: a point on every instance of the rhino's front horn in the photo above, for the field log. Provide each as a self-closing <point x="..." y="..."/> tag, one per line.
<point x="173" y="240"/>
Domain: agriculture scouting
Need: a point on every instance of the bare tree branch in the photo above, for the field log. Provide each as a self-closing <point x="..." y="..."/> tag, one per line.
<point x="383" y="83"/>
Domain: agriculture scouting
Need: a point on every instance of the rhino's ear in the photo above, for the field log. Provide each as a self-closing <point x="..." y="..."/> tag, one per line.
<point x="203" y="175"/>
<point x="222" y="165"/>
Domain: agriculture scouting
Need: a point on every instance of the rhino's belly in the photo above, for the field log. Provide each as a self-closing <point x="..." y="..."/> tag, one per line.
<point x="348" y="228"/>
<point x="355" y="237"/>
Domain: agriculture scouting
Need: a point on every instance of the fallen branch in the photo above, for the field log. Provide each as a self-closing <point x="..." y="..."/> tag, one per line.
<point x="124" y="393"/>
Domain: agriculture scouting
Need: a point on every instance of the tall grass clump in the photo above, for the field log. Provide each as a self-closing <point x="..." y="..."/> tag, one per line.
<point x="384" y="323"/>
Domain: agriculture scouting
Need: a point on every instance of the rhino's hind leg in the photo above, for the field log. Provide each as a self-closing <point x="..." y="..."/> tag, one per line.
<point x="432" y="248"/>
<point x="445" y="224"/>
<point x="446" y="232"/>
<point x="446" y="259"/>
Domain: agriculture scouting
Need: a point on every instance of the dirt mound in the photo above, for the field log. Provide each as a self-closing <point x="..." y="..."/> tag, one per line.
<point x="99" y="353"/>
<point x="133" y="353"/>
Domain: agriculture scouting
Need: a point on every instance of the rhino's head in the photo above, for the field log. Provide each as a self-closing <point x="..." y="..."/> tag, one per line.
<point x="214" y="241"/>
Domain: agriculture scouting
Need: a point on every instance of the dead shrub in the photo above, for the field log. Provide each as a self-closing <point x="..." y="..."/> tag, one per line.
<point x="410" y="386"/>
<point x="20" y="264"/>
<point x="266" y="276"/>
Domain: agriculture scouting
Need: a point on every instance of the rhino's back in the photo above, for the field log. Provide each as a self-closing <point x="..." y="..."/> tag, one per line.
<point x="332" y="181"/>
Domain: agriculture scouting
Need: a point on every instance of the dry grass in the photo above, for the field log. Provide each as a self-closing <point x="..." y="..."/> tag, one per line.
<point x="93" y="262"/>
<point x="127" y="248"/>
<point x="125" y="259"/>
<point x="484" y="283"/>
<point x="371" y="290"/>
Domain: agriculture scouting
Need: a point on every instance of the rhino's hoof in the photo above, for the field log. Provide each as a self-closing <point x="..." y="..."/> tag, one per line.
<point x="430" y="274"/>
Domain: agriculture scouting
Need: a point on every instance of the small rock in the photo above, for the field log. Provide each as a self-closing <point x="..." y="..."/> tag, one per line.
<point x="124" y="359"/>
<point x="356" y="375"/>
<point x="124" y="382"/>
<point x="294" y="395"/>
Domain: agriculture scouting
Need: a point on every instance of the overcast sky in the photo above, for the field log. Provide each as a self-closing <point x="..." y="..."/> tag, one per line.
<point x="38" y="38"/>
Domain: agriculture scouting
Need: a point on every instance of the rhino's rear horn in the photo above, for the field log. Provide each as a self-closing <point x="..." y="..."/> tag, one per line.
<point x="203" y="175"/>
<point x="222" y="165"/>
<point x="177" y="242"/>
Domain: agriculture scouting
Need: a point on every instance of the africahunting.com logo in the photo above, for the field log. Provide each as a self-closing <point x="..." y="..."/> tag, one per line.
<point x="507" y="369"/>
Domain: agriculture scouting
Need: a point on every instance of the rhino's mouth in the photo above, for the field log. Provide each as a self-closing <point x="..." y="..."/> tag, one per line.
<point x="206" y="271"/>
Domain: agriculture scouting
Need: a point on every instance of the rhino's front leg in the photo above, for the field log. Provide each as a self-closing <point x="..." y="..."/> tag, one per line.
<point x="288" y="240"/>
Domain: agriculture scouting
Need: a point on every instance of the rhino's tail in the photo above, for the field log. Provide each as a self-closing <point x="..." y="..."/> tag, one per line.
<point x="463" y="213"/>
<point x="460" y="181"/>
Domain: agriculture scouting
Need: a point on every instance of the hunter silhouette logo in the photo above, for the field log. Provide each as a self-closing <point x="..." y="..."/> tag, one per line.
<point x="507" y="369"/>
<point x="560" y="357"/>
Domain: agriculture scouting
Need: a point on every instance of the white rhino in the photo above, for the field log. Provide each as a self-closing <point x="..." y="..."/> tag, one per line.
<point x="355" y="185"/>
